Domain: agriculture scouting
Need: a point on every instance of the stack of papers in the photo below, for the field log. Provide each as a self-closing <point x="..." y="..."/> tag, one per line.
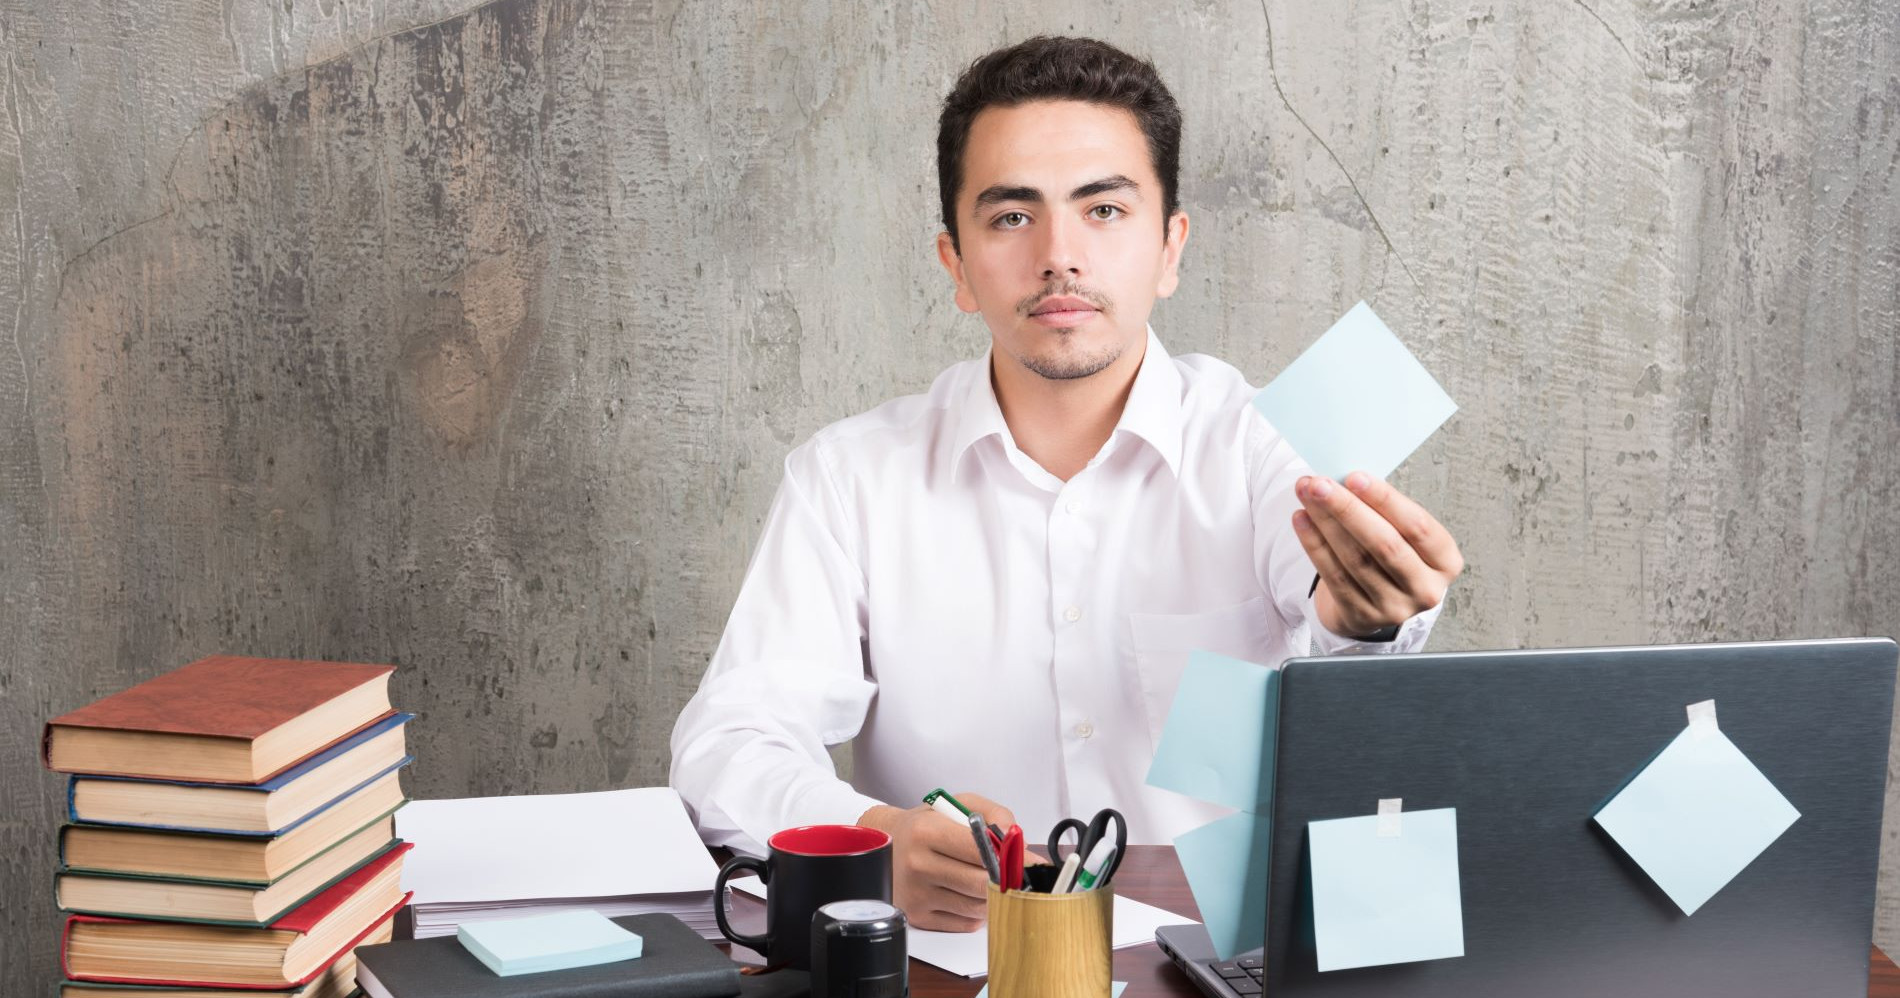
<point x="968" y="953"/>
<point x="622" y="852"/>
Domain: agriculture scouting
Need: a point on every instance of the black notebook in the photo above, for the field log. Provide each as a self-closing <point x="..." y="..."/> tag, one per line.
<point x="674" y="963"/>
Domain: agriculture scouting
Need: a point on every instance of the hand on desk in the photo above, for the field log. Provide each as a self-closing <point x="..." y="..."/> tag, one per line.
<point x="937" y="875"/>
<point x="1382" y="559"/>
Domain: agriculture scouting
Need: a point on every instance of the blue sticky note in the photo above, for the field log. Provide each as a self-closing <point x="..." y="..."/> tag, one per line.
<point x="1116" y="989"/>
<point x="538" y="943"/>
<point x="1380" y="899"/>
<point x="1216" y="745"/>
<point x="1697" y="815"/>
<point x="1356" y="400"/>
<point x="1226" y="865"/>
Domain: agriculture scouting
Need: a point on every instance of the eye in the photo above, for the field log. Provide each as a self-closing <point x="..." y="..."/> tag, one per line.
<point x="1104" y="212"/>
<point x="1011" y="220"/>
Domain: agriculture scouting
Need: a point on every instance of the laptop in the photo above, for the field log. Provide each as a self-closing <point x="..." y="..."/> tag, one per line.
<point x="1527" y="745"/>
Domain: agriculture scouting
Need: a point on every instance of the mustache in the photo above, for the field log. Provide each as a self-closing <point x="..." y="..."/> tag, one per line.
<point x="1095" y="298"/>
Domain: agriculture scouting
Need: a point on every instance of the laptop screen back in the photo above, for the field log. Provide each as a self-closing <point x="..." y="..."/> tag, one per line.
<point x="1526" y="746"/>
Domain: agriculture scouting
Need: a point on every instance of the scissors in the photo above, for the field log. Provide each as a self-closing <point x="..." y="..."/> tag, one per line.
<point x="1087" y="836"/>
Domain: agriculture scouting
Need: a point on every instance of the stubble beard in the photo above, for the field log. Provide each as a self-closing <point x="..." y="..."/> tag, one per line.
<point x="1058" y="363"/>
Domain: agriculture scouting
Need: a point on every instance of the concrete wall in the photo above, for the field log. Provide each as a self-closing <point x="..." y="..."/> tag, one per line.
<point x="472" y="339"/>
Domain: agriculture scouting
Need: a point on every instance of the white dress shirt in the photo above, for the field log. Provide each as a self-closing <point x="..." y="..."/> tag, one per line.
<point x="927" y="592"/>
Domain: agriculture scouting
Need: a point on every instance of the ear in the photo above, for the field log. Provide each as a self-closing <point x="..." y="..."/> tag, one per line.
<point x="1171" y="254"/>
<point x="953" y="265"/>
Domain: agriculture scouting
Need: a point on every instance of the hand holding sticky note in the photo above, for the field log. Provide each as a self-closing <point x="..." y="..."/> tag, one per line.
<point x="1356" y="400"/>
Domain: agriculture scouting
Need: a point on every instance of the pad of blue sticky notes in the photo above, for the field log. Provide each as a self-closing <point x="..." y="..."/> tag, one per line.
<point x="1216" y="745"/>
<point x="1696" y="816"/>
<point x="539" y="943"/>
<point x="1383" y="899"/>
<point x="1356" y="400"/>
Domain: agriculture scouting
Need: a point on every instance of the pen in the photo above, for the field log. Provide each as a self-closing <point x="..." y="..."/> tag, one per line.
<point x="950" y="807"/>
<point x="1098" y="860"/>
<point x="982" y="836"/>
<point x="1066" y="878"/>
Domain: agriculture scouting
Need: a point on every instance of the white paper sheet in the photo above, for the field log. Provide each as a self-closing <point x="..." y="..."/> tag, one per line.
<point x="611" y="844"/>
<point x="968" y="953"/>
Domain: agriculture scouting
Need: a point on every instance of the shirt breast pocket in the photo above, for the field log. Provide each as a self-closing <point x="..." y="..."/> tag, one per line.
<point x="1162" y="642"/>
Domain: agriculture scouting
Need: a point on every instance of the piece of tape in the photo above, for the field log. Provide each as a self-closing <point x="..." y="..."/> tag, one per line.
<point x="1389" y="808"/>
<point x="1702" y="719"/>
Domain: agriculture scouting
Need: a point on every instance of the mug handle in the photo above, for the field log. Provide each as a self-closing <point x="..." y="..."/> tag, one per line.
<point x="758" y="944"/>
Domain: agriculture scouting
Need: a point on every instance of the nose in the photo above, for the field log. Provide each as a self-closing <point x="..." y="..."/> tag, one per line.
<point x="1061" y="251"/>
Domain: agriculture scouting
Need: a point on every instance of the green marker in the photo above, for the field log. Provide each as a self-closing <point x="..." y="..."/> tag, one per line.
<point x="1099" y="858"/>
<point x="948" y="806"/>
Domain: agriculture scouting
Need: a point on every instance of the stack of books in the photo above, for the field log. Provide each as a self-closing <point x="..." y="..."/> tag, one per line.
<point x="232" y="830"/>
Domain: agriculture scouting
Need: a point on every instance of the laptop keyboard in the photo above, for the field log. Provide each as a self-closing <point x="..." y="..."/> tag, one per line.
<point x="1243" y="975"/>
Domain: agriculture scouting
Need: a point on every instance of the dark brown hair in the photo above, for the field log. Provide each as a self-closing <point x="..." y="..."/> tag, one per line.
<point x="1046" y="68"/>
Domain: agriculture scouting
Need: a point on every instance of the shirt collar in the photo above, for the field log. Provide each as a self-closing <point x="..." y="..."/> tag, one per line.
<point x="1152" y="412"/>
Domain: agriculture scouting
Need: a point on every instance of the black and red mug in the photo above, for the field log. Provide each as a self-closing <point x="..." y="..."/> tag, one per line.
<point x="809" y="867"/>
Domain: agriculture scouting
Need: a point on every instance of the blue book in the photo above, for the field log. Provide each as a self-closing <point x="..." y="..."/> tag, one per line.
<point x="540" y="943"/>
<point x="365" y="760"/>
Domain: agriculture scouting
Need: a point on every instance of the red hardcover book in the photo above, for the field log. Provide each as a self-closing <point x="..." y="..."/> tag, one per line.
<point x="224" y="719"/>
<point x="287" y="953"/>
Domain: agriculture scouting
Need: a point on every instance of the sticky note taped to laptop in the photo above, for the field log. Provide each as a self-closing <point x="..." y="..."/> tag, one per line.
<point x="1356" y="400"/>
<point x="1385" y="888"/>
<point x="1697" y="814"/>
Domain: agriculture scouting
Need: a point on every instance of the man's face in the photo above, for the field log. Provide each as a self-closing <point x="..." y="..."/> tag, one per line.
<point x="1060" y="224"/>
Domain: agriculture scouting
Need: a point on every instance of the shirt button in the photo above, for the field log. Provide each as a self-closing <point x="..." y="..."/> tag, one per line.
<point x="1074" y="506"/>
<point x="1084" y="730"/>
<point x="1072" y="614"/>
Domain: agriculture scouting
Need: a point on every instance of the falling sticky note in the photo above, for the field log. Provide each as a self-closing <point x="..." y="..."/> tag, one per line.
<point x="1356" y="400"/>
<point x="1226" y="863"/>
<point x="1217" y="745"/>
<point x="1214" y="746"/>
<point x="1390" y="895"/>
<point x="1697" y="815"/>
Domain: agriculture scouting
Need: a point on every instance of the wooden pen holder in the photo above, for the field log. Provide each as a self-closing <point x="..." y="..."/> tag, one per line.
<point x="1051" y="945"/>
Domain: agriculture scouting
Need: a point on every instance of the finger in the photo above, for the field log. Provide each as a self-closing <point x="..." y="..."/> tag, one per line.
<point x="994" y="813"/>
<point x="957" y="903"/>
<point x="1397" y="582"/>
<point x="957" y="888"/>
<point x="1417" y="585"/>
<point x="951" y="840"/>
<point x="966" y="878"/>
<point x="942" y="921"/>
<point x="1326" y="563"/>
<point x="1345" y="521"/>
<point x="1414" y="523"/>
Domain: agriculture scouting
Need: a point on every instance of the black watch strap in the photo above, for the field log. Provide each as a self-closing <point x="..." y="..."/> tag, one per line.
<point x="1384" y="635"/>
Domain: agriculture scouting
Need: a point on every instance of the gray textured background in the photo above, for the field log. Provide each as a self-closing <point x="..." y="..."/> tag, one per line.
<point x="472" y="339"/>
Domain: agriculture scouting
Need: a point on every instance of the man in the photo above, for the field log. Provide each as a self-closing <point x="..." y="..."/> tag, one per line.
<point x="993" y="587"/>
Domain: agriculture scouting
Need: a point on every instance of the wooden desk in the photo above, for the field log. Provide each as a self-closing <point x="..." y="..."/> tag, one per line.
<point x="1151" y="874"/>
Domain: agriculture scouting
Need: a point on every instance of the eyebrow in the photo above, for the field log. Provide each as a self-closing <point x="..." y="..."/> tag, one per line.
<point x="997" y="194"/>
